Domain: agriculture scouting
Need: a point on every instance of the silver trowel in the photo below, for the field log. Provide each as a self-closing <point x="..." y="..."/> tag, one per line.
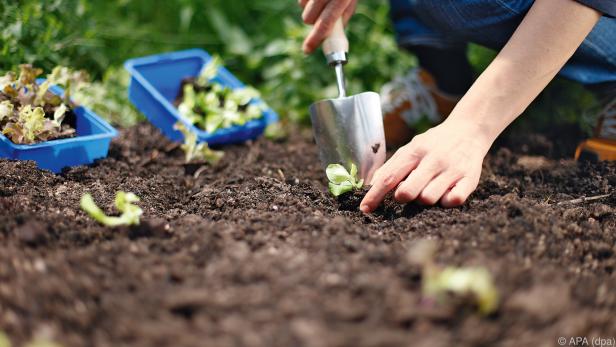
<point x="348" y="129"/>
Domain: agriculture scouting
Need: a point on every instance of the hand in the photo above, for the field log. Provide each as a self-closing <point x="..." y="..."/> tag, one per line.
<point x="443" y="164"/>
<point x="323" y="14"/>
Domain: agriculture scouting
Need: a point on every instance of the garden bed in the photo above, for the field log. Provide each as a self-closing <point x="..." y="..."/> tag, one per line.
<point x="255" y="252"/>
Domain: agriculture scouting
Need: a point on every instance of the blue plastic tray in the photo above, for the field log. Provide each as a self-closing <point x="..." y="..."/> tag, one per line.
<point x="92" y="142"/>
<point x="155" y="84"/>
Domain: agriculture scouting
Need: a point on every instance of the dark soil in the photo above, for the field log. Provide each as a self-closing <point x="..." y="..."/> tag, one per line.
<point x="255" y="252"/>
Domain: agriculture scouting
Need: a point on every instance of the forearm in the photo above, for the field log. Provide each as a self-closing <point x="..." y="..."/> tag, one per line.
<point x="547" y="37"/>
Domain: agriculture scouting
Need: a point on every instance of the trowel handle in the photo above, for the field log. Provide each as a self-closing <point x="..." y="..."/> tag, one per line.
<point x="336" y="46"/>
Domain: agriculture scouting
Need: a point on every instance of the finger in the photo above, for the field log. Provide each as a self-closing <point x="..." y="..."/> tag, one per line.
<point x="440" y="185"/>
<point x="459" y="192"/>
<point x="387" y="178"/>
<point x="323" y="26"/>
<point x="412" y="186"/>
<point x="313" y="10"/>
<point x="348" y="13"/>
<point x="302" y="3"/>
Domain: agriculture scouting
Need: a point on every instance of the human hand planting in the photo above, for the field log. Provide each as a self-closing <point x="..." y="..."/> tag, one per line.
<point x="442" y="164"/>
<point x="322" y="14"/>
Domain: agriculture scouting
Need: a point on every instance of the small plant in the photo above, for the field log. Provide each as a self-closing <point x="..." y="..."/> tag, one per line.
<point x="29" y="113"/>
<point x="342" y="181"/>
<point x="4" y="340"/>
<point x="124" y="202"/>
<point x="211" y="106"/>
<point x="439" y="282"/>
<point x="276" y="132"/>
<point x="197" y="151"/>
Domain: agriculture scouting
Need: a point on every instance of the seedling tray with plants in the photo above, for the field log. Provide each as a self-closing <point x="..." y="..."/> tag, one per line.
<point x="39" y="122"/>
<point x="188" y="87"/>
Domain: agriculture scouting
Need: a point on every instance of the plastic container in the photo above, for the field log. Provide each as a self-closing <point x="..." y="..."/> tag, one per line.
<point x="92" y="142"/>
<point x="155" y="84"/>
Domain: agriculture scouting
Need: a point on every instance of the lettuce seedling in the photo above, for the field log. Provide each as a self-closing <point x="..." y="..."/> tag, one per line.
<point x="207" y="104"/>
<point x="197" y="151"/>
<point x="6" y="110"/>
<point x="124" y="202"/>
<point x="342" y="181"/>
<point x="475" y="281"/>
<point x="438" y="283"/>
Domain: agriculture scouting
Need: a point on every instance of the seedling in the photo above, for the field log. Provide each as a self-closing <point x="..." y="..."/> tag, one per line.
<point x="212" y="106"/>
<point x="124" y="202"/>
<point x="342" y="181"/>
<point x="29" y="113"/>
<point x="4" y="340"/>
<point x="437" y="282"/>
<point x="276" y="132"/>
<point x="197" y="151"/>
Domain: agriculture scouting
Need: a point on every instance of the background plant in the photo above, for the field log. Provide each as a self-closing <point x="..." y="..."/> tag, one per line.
<point x="259" y="41"/>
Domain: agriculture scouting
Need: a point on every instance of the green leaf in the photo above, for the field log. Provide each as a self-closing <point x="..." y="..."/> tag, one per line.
<point x="58" y="115"/>
<point x="210" y="156"/>
<point x="210" y="70"/>
<point x="339" y="189"/>
<point x="276" y="132"/>
<point x="337" y="174"/>
<point x="359" y="184"/>
<point x="6" y="109"/>
<point x="214" y="122"/>
<point x="32" y="121"/>
<point x="194" y="151"/>
<point x="131" y="213"/>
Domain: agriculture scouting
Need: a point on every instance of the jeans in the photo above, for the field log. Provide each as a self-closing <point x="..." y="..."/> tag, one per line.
<point x="452" y="24"/>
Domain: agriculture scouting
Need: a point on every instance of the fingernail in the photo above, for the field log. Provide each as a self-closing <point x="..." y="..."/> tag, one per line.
<point x="364" y="208"/>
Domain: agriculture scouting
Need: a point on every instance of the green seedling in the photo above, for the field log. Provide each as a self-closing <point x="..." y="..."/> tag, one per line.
<point x="197" y="151"/>
<point x="438" y="283"/>
<point x="276" y="132"/>
<point x="212" y="106"/>
<point x="124" y="202"/>
<point x="4" y="340"/>
<point x="342" y="181"/>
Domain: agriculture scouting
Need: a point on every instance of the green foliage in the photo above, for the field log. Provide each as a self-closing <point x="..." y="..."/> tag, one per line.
<point x="212" y="106"/>
<point x="197" y="151"/>
<point x="342" y="181"/>
<point x="124" y="202"/>
<point x="260" y="42"/>
<point x="108" y="98"/>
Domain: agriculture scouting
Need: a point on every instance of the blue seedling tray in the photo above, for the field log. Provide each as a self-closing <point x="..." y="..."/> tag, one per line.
<point x="155" y="84"/>
<point x="92" y="142"/>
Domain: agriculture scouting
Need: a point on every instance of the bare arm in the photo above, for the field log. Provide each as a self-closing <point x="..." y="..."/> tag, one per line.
<point x="445" y="162"/>
<point x="539" y="48"/>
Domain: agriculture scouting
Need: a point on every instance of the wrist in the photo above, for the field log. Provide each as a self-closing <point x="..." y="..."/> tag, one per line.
<point x="482" y="136"/>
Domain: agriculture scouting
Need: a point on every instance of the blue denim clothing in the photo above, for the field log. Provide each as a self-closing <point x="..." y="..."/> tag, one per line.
<point x="451" y="24"/>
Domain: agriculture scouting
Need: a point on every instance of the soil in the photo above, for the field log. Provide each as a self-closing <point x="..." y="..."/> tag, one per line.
<point x="255" y="252"/>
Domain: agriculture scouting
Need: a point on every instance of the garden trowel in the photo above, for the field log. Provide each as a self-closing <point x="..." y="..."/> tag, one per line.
<point x="348" y="129"/>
